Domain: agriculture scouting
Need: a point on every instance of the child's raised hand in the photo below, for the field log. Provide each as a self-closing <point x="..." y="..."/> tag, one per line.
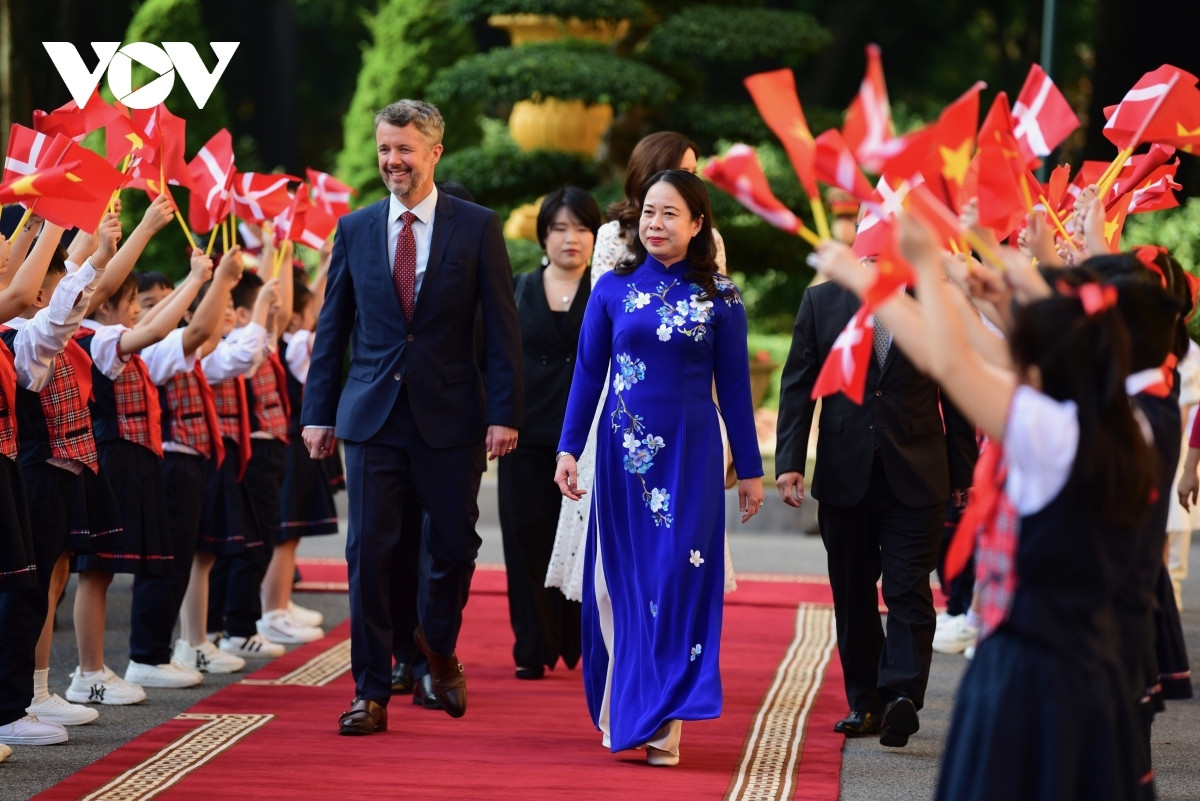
<point x="108" y="236"/>
<point x="917" y="244"/>
<point x="837" y="262"/>
<point x="268" y="297"/>
<point x="201" y="266"/>
<point x="230" y="265"/>
<point x="159" y="214"/>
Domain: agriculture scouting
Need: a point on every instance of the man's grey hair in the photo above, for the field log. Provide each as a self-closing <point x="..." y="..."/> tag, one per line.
<point x="425" y="116"/>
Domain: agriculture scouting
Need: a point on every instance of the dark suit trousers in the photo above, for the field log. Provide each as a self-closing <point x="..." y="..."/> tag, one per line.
<point x="406" y="577"/>
<point x="446" y="483"/>
<point x="157" y="599"/>
<point x="882" y="535"/>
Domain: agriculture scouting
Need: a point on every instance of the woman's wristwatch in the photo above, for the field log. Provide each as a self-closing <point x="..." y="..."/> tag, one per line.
<point x="558" y="456"/>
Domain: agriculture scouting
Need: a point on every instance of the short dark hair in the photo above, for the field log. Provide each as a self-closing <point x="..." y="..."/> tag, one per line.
<point x="455" y="189"/>
<point x="301" y="297"/>
<point x="425" y="116"/>
<point x="245" y="292"/>
<point x="574" y="200"/>
<point x="58" y="262"/>
<point x="151" y="279"/>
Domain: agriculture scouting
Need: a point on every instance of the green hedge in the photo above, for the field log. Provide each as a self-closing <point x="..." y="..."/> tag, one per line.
<point x="712" y="33"/>
<point x="568" y="70"/>
<point x="581" y="9"/>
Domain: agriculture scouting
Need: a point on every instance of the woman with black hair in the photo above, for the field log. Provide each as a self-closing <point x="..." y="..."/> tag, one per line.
<point x="670" y="326"/>
<point x="550" y="303"/>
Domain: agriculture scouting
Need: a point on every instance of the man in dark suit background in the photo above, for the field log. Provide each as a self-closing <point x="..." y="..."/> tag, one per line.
<point x="406" y="278"/>
<point x="884" y="472"/>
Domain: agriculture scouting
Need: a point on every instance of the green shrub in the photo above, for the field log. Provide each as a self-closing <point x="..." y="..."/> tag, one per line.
<point x="568" y="70"/>
<point x="411" y="41"/>
<point x="712" y="33"/>
<point x="501" y="175"/>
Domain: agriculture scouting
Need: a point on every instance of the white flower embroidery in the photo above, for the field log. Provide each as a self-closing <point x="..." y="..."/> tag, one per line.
<point x="659" y="500"/>
<point x="653" y="609"/>
<point x="652" y="442"/>
<point x="696" y="559"/>
<point x="642" y="300"/>
<point x="631" y="441"/>
<point x="664" y="332"/>
<point x="695" y="652"/>
<point x="700" y="309"/>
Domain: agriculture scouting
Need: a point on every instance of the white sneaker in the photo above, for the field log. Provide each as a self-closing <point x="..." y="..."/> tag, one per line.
<point x="256" y="647"/>
<point x="169" y="675"/>
<point x="304" y="616"/>
<point x="107" y="688"/>
<point x="954" y="635"/>
<point x="53" y="709"/>
<point x="278" y="626"/>
<point x="31" y="731"/>
<point x="206" y="658"/>
<point x="5" y="752"/>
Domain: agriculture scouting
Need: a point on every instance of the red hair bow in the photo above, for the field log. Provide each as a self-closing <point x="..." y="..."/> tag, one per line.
<point x="1097" y="297"/>
<point x="1148" y="256"/>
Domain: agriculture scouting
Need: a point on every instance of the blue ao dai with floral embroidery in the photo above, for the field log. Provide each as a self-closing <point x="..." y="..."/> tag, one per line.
<point x="654" y="573"/>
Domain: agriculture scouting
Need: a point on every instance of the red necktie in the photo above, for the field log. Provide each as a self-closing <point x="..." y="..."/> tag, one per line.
<point x="210" y="415"/>
<point x="404" y="269"/>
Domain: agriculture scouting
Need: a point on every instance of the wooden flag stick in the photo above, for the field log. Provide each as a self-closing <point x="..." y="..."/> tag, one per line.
<point x="819" y="219"/>
<point x="186" y="231"/>
<point x="808" y="236"/>
<point x="211" y="239"/>
<point x="24" y="219"/>
<point x="983" y="249"/>
<point x="1062" y="229"/>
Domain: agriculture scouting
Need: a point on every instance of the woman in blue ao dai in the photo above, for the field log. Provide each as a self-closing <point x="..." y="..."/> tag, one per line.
<point x="670" y="326"/>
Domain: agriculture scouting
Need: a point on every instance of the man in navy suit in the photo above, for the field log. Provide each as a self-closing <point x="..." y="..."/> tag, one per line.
<point x="405" y="280"/>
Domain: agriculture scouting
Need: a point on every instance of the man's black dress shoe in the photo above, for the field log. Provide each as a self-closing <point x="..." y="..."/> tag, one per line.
<point x="531" y="672"/>
<point x="899" y="722"/>
<point x="422" y="693"/>
<point x="402" y="680"/>
<point x="449" y="683"/>
<point x="363" y="717"/>
<point x="858" y="724"/>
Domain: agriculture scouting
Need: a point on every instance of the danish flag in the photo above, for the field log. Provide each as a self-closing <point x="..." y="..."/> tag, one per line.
<point x="845" y="368"/>
<point x="1043" y="116"/>
<point x="30" y="150"/>
<point x="303" y="222"/>
<point x="739" y="173"/>
<point x="328" y="193"/>
<point x="1159" y="105"/>
<point x="258" y="196"/>
<point x="868" y="126"/>
<point x="836" y="165"/>
<point x="212" y="175"/>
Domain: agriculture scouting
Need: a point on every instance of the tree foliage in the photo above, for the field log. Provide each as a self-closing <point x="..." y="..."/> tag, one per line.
<point x="411" y="41"/>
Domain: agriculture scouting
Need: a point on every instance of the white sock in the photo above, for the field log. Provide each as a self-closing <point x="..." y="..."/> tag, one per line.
<point x="41" y="685"/>
<point x="88" y="675"/>
<point x="974" y="619"/>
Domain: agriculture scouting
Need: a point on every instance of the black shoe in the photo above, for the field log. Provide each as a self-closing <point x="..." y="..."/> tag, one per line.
<point x="531" y="672"/>
<point x="402" y="680"/>
<point x="363" y="717"/>
<point x="858" y="724"/>
<point x="899" y="722"/>
<point x="422" y="693"/>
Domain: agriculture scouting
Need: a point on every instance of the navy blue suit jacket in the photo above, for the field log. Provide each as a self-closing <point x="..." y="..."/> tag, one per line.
<point x="434" y="353"/>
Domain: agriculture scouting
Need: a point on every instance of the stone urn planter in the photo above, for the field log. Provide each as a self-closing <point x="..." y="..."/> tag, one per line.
<point x="571" y="126"/>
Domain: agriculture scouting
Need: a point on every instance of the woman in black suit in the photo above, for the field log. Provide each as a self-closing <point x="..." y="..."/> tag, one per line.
<point x="550" y="303"/>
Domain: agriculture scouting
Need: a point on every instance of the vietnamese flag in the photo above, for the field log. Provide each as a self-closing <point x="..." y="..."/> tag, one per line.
<point x="739" y="173"/>
<point x="101" y="179"/>
<point x="952" y="145"/>
<point x="944" y="223"/>
<point x="1162" y="104"/>
<point x="774" y="94"/>
<point x="55" y="181"/>
<point x="845" y="368"/>
<point x="75" y="122"/>
<point x="1114" y="221"/>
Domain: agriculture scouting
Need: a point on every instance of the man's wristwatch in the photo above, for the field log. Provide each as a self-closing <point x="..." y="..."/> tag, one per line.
<point x="558" y="456"/>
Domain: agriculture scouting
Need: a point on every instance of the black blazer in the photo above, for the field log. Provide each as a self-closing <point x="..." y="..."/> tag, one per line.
<point x="900" y="414"/>
<point x="549" y="354"/>
<point x="434" y="354"/>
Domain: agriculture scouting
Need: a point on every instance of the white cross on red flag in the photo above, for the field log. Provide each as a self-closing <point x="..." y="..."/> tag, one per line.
<point x="212" y="174"/>
<point x="845" y="368"/>
<point x="328" y="193"/>
<point x="258" y="196"/>
<point x="1042" y="115"/>
<point x="868" y="126"/>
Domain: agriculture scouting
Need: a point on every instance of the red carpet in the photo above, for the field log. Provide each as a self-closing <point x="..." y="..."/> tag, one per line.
<point x="273" y="734"/>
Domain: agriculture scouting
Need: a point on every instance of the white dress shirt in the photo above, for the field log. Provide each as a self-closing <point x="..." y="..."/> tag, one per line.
<point x="422" y="232"/>
<point x="165" y="359"/>
<point x="299" y="353"/>
<point x="237" y="354"/>
<point x="106" y="348"/>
